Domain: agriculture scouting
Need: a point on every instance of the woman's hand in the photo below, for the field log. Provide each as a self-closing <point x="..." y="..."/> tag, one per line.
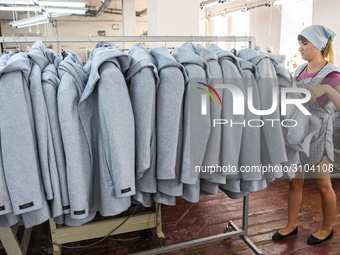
<point x="318" y="91"/>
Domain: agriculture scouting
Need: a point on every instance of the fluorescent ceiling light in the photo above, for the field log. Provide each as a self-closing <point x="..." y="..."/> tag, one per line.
<point x="45" y="3"/>
<point x="27" y="21"/>
<point x="67" y="10"/>
<point x="210" y="5"/>
<point x="63" y="4"/>
<point x="16" y="8"/>
<point x="280" y="2"/>
<point x="34" y="24"/>
<point x="37" y="9"/>
<point x="35" y="19"/>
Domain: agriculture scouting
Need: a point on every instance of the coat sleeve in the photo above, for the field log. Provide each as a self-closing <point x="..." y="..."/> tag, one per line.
<point x="5" y="201"/>
<point x="118" y="129"/>
<point x="50" y="94"/>
<point x="142" y="90"/>
<point x="18" y="148"/>
<point x="78" y="161"/>
<point x="169" y="106"/>
<point x="41" y="128"/>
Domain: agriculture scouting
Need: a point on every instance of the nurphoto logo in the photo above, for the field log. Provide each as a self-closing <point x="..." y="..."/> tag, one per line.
<point x="241" y="101"/>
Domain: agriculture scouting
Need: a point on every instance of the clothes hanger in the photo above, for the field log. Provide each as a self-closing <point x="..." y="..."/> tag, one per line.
<point x="45" y="41"/>
<point x="63" y="53"/>
<point x="16" y="45"/>
<point x="91" y="39"/>
<point x="27" y="43"/>
<point x="233" y="50"/>
<point x="4" y="45"/>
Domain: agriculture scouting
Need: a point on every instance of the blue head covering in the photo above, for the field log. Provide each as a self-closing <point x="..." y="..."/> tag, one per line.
<point x="318" y="35"/>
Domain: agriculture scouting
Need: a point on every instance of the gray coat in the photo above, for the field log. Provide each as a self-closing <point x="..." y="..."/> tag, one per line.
<point x="107" y="120"/>
<point x="77" y="151"/>
<point x="272" y="143"/>
<point x="50" y="83"/>
<point x="212" y="153"/>
<point x="173" y="80"/>
<point x="231" y="136"/>
<point x="142" y="81"/>
<point x="39" y="61"/>
<point x="7" y="217"/>
<point x="47" y="155"/>
<point x="19" y="152"/>
<point x="196" y="127"/>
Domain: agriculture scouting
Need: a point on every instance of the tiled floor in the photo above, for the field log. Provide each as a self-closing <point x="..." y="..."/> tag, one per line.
<point x="188" y="221"/>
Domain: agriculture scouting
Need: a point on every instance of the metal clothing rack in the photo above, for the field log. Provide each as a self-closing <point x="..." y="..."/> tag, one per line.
<point x="57" y="39"/>
<point x="231" y="230"/>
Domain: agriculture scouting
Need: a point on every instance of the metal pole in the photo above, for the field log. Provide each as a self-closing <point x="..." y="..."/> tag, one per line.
<point x="50" y="39"/>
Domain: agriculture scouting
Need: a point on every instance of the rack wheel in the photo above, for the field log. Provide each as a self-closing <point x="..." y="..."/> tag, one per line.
<point x="227" y="229"/>
<point x="161" y="241"/>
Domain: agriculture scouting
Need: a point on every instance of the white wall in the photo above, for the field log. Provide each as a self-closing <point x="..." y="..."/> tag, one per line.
<point x="173" y="18"/>
<point x="265" y="25"/>
<point x="295" y="17"/>
<point x="77" y="26"/>
<point x="326" y="13"/>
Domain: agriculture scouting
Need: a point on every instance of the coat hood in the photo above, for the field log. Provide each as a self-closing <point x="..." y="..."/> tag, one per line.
<point x="253" y="55"/>
<point x="50" y="72"/>
<point x="224" y="54"/>
<point x="16" y="62"/>
<point x="205" y="53"/>
<point x="101" y="53"/>
<point x="164" y="59"/>
<point x="246" y="65"/>
<point x="186" y="55"/>
<point x="73" y="65"/>
<point x="4" y="58"/>
<point x="140" y="58"/>
<point x="37" y="54"/>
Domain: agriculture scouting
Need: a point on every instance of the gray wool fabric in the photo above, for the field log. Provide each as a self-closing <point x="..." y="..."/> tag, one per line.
<point x="39" y="61"/>
<point x="212" y="153"/>
<point x="77" y="154"/>
<point x="273" y="150"/>
<point x="322" y="142"/>
<point x="50" y="83"/>
<point x="169" y="105"/>
<point x="18" y="139"/>
<point x="196" y="127"/>
<point x="250" y="153"/>
<point x="297" y="139"/>
<point x="17" y="136"/>
<point x="5" y="200"/>
<point x="47" y="156"/>
<point x="231" y="136"/>
<point x="142" y="81"/>
<point x="173" y="80"/>
<point x="107" y="120"/>
<point x="9" y="219"/>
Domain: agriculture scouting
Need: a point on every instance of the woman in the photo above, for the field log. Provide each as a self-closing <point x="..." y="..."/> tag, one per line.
<point x="322" y="79"/>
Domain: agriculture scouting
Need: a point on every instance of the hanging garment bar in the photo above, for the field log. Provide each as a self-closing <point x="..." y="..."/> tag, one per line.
<point x="50" y="39"/>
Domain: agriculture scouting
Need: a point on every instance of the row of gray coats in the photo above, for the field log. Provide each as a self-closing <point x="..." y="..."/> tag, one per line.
<point x="127" y="128"/>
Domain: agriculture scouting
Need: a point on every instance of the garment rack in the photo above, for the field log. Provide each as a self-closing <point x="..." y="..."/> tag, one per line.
<point x="231" y="230"/>
<point x="57" y="39"/>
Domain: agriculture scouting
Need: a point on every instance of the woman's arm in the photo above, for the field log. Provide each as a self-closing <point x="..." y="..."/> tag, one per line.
<point x="333" y="93"/>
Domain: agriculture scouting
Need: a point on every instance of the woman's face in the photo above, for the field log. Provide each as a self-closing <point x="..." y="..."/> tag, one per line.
<point x="308" y="50"/>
